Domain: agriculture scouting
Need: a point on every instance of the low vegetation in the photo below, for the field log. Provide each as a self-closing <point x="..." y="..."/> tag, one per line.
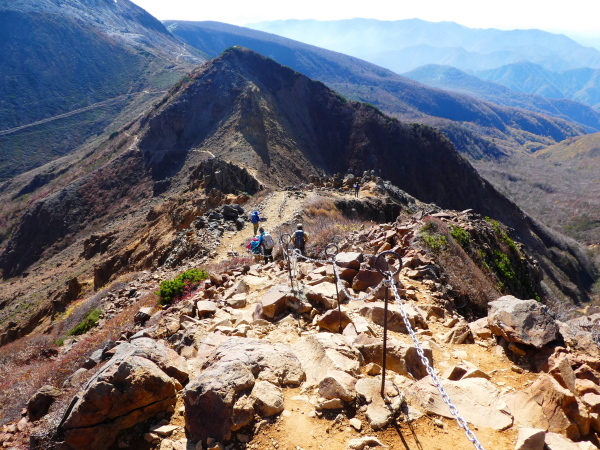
<point x="184" y="283"/>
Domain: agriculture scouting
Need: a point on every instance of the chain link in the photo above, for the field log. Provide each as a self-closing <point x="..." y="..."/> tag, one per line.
<point x="436" y="381"/>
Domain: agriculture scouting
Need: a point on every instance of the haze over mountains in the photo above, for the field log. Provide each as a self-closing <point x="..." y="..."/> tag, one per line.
<point x="558" y="67"/>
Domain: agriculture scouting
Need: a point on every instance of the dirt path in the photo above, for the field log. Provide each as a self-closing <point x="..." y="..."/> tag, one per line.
<point x="278" y="207"/>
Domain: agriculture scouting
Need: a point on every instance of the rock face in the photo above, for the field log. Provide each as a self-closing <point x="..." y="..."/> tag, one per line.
<point x="522" y="321"/>
<point x="214" y="405"/>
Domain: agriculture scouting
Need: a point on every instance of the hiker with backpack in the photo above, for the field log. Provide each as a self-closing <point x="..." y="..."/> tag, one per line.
<point x="268" y="243"/>
<point x="299" y="238"/>
<point x="255" y="219"/>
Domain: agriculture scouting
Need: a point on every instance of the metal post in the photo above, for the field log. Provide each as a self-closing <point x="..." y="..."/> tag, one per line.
<point x="335" y="280"/>
<point x="390" y="277"/>
<point x="285" y="246"/>
<point x="384" y="356"/>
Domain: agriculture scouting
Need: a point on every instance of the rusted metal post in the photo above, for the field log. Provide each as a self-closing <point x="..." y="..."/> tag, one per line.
<point x="335" y="280"/>
<point x="384" y="356"/>
<point x="285" y="245"/>
<point x="390" y="279"/>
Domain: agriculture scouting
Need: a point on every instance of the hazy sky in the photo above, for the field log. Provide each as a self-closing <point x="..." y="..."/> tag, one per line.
<point x="573" y="15"/>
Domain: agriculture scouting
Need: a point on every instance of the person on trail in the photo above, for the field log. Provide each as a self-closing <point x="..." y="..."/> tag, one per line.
<point x="356" y="188"/>
<point x="267" y="243"/>
<point x="299" y="238"/>
<point x="255" y="218"/>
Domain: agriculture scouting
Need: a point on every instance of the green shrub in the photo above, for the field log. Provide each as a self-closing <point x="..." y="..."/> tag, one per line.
<point x="88" y="321"/>
<point x="431" y="236"/>
<point x="172" y="289"/>
<point x="460" y="235"/>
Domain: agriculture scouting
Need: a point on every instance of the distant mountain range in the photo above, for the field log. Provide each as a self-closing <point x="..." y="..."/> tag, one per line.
<point x="403" y="45"/>
<point x="452" y="79"/>
<point x="527" y="61"/>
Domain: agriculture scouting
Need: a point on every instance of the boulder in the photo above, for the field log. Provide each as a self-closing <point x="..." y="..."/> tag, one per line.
<point x="167" y="359"/>
<point x="128" y="390"/>
<point x="522" y="321"/>
<point x="276" y="299"/>
<point x="375" y="312"/>
<point x="210" y="398"/>
<point x="206" y="308"/>
<point x="324" y="295"/>
<point x="477" y="399"/>
<point x="239" y="287"/>
<point x="268" y="398"/>
<point x="366" y="278"/>
<point x="530" y="439"/>
<point x="331" y="320"/>
<point x="480" y="329"/>
<point x="39" y="404"/>
<point x="323" y="352"/>
<point x="214" y="402"/>
<point x="338" y="384"/>
<point x="459" y="334"/>
<point x="364" y="442"/>
<point x="401" y="358"/>
<point x="349" y="260"/>
<point x="555" y="441"/>
<point x="380" y="411"/>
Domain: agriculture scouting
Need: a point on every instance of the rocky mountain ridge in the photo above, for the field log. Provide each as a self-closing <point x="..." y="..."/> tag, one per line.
<point x="243" y="343"/>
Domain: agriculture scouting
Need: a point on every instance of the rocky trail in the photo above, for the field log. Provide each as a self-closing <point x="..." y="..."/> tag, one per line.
<point x="246" y="362"/>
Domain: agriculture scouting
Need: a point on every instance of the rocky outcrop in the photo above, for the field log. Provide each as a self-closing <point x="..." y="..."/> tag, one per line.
<point x="214" y="401"/>
<point x="522" y="321"/>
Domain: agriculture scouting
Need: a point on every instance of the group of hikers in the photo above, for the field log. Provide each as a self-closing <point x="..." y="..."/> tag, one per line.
<point x="263" y="243"/>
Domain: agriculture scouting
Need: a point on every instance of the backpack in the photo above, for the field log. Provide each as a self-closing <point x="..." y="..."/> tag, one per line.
<point x="268" y="241"/>
<point x="299" y="239"/>
<point x="255" y="245"/>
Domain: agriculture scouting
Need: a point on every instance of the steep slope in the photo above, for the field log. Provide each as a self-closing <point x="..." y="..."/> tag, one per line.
<point x="436" y="43"/>
<point x="282" y="128"/>
<point x="484" y="130"/>
<point x="60" y="57"/>
<point x="452" y="79"/>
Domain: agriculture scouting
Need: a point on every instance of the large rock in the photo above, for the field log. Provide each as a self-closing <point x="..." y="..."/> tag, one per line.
<point x="167" y="359"/>
<point x="332" y="319"/>
<point x="39" y="404"/>
<point x="375" y="312"/>
<point x="477" y="399"/>
<point x="401" y="358"/>
<point x="276" y="299"/>
<point x="522" y="321"/>
<point x="214" y="402"/>
<point x="323" y="352"/>
<point x="366" y="278"/>
<point x="530" y="439"/>
<point x="338" y="384"/>
<point x="546" y="404"/>
<point x="268" y="398"/>
<point x="350" y="260"/>
<point x="128" y="390"/>
<point x="325" y="295"/>
<point x="380" y="411"/>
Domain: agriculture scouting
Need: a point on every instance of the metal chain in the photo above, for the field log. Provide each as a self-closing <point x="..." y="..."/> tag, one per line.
<point x="436" y="381"/>
<point x="462" y="423"/>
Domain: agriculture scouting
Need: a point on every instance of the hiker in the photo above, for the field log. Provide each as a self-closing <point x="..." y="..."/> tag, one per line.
<point x="299" y="238"/>
<point x="255" y="218"/>
<point x="356" y="188"/>
<point x="267" y="242"/>
<point x="256" y="248"/>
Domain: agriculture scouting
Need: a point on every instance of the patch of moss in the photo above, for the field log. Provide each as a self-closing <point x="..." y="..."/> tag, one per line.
<point x="86" y="324"/>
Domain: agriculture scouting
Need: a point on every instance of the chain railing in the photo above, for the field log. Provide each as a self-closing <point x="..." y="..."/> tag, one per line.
<point x="388" y="281"/>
